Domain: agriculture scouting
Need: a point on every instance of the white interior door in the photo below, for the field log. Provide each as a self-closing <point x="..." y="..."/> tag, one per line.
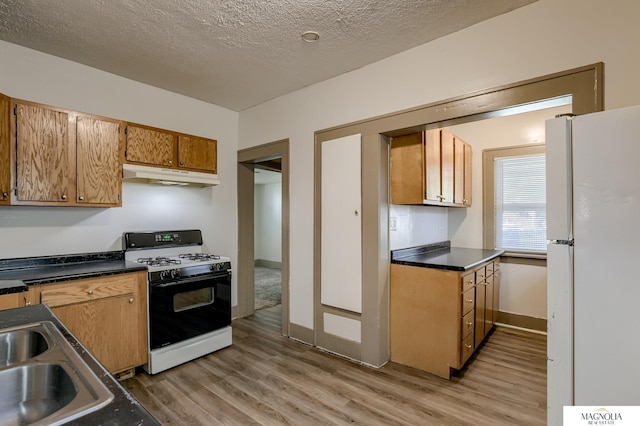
<point x="341" y="235"/>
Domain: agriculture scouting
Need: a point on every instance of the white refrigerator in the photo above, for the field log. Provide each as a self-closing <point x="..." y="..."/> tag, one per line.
<point x="593" y="260"/>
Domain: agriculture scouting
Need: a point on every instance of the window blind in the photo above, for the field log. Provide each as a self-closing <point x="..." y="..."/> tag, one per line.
<point x="520" y="204"/>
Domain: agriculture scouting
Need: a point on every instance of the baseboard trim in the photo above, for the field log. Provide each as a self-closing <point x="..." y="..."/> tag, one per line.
<point x="341" y="347"/>
<point x="268" y="263"/>
<point x="234" y="312"/>
<point x="300" y="333"/>
<point x="522" y="321"/>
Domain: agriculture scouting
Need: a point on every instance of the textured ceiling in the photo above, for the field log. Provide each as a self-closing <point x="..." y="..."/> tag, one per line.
<point x="235" y="53"/>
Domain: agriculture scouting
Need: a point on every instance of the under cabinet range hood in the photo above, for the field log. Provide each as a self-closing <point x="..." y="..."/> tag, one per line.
<point x="164" y="176"/>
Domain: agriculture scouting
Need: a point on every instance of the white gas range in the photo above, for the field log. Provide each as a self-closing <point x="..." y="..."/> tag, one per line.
<point x="189" y="296"/>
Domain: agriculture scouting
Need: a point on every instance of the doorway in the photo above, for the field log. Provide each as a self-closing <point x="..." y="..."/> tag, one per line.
<point x="268" y="239"/>
<point x="258" y="168"/>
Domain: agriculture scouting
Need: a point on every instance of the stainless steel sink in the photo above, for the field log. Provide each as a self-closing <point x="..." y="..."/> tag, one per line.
<point x="43" y="381"/>
<point x="20" y="345"/>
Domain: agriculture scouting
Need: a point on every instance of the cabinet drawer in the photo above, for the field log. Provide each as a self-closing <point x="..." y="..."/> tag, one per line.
<point x="467" y="324"/>
<point x="468" y="301"/>
<point x="489" y="269"/>
<point x="85" y="290"/>
<point x="468" y="281"/>
<point x="466" y="349"/>
<point x="481" y="274"/>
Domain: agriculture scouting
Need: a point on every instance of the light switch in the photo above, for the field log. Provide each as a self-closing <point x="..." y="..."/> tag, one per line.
<point x="393" y="223"/>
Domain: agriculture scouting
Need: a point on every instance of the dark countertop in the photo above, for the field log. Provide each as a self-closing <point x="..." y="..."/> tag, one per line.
<point x="123" y="410"/>
<point x="443" y="256"/>
<point x="17" y="274"/>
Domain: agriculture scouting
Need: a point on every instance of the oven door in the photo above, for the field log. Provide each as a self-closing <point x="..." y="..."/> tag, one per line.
<point x="188" y="307"/>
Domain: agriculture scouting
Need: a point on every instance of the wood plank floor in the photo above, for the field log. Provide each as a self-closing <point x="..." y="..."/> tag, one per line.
<point x="267" y="379"/>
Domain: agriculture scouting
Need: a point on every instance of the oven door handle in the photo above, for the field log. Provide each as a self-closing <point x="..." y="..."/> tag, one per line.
<point x="190" y="280"/>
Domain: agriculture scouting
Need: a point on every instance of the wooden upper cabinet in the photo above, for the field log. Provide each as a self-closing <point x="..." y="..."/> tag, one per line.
<point x="156" y="147"/>
<point x="447" y="159"/>
<point x="99" y="162"/>
<point x="467" y="174"/>
<point x="458" y="168"/>
<point x="43" y="154"/>
<point x="150" y="146"/>
<point x="431" y="167"/>
<point x="408" y="169"/>
<point x="63" y="158"/>
<point x="5" y="151"/>
<point x="462" y="172"/>
<point x="198" y="153"/>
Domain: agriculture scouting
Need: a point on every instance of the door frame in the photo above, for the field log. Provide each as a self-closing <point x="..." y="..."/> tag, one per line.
<point x="583" y="84"/>
<point x="247" y="158"/>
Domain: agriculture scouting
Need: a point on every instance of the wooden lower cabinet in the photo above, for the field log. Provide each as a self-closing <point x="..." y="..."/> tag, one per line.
<point x="438" y="318"/>
<point x="108" y="315"/>
<point x="17" y="300"/>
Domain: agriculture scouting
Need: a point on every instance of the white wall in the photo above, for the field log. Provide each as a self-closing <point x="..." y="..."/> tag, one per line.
<point x="34" y="231"/>
<point x="542" y="38"/>
<point x="268" y="222"/>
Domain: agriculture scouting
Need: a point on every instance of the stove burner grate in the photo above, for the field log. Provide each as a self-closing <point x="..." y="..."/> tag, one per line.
<point x="159" y="261"/>
<point x="199" y="257"/>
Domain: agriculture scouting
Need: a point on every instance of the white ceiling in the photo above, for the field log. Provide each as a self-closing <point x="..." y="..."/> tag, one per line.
<point x="235" y="53"/>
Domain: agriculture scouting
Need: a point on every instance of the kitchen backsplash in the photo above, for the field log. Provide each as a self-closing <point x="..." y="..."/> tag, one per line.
<point x="411" y="226"/>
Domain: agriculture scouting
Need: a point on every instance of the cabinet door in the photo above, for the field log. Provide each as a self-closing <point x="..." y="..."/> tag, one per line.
<point x="99" y="162"/>
<point x="43" y="154"/>
<point x="108" y="339"/>
<point x="432" y="165"/>
<point x="107" y="315"/>
<point x="489" y="308"/>
<point x="480" y="312"/>
<point x="150" y="146"/>
<point x="496" y="293"/>
<point x="5" y="151"/>
<point x="408" y="169"/>
<point x="198" y="153"/>
<point x="467" y="175"/>
<point x="9" y="301"/>
<point x="458" y="171"/>
<point x="447" y="175"/>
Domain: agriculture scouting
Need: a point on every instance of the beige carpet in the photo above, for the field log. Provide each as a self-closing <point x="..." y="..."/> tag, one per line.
<point x="268" y="287"/>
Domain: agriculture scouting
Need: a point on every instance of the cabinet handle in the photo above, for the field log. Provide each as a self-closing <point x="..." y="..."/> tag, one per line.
<point x="5" y="195"/>
<point x="469" y="323"/>
<point x="469" y="300"/>
<point x="89" y="292"/>
<point x="81" y="198"/>
<point x="64" y="196"/>
<point x="27" y="302"/>
<point x="182" y="163"/>
<point x="131" y="300"/>
<point x="355" y="212"/>
<point x="170" y="162"/>
<point x="467" y="346"/>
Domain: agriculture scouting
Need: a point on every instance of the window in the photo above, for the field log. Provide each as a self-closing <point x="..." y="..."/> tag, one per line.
<point x="515" y="200"/>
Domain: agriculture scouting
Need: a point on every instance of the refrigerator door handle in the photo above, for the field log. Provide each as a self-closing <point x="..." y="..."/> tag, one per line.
<point x="562" y="242"/>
